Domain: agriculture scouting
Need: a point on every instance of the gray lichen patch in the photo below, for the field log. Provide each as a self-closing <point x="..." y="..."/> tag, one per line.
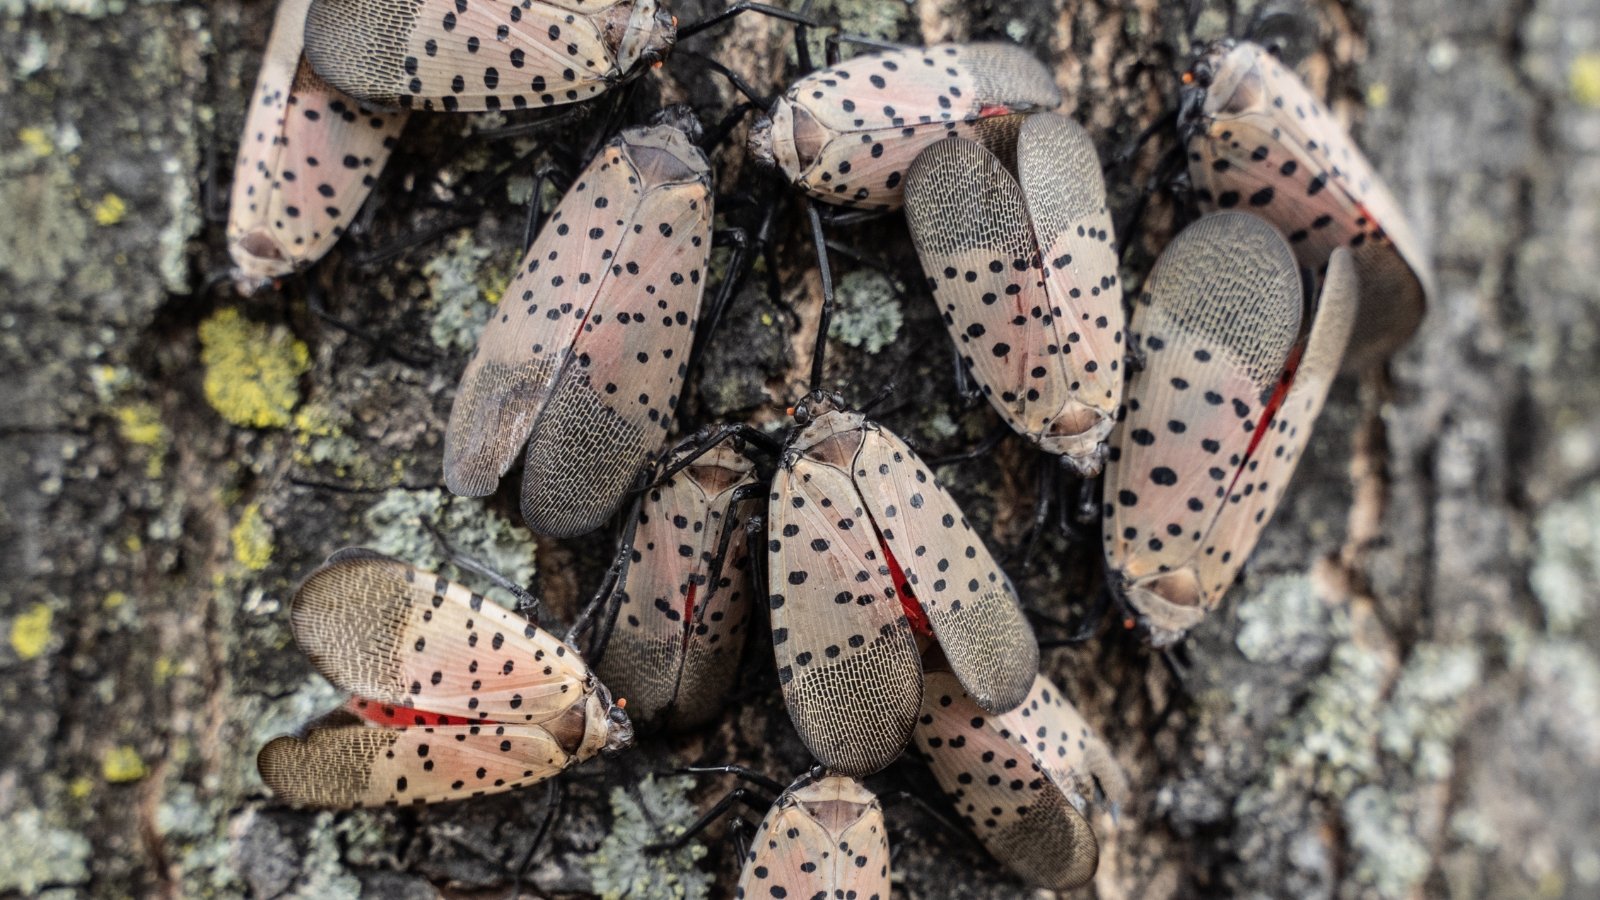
<point x="1566" y="566"/>
<point x="1282" y="622"/>
<point x="867" y="311"/>
<point x="465" y="281"/>
<point x="396" y="525"/>
<point x="1427" y="707"/>
<point x="38" y="854"/>
<point x="622" y="867"/>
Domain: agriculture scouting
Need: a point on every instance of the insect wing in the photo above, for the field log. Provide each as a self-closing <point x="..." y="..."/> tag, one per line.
<point x="877" y="112"/>
<point x="1067" y="748"/>
<point x="307" y="159"/>
<point x="455" y="55"/>
<point x="342" y="762"/>
<point x="1014" y="806"/>
<point x="826" y="839"/>
<point x="968" y="600"/>
<point x="387" y="631"/>
<point x="1216" y="322"/>
<point x="677" y="637"/>
<point x="611" y="408"/>
<point x="847" y="661"/>
<point x="1066" y="197"/>
<point x="1266" y="144"/>
<point x="1254" y="495"/>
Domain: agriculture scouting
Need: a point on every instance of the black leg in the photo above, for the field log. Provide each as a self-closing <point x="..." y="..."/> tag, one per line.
<point x="733" y="277"/>
<point x="552" y="812"/>
<point x="800" y="18"/>
<point x="981" y="449"/>
<point x="315" y="306"/>
<point x="721" y="808"/>
<point x="833" y="41"/>
<point x="825" y="319"/>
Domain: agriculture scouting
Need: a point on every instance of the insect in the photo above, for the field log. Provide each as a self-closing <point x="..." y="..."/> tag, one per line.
<point x="1259" y="141"/>
<point x="1024" y="270"/>
<point x="683" y="594"/>
<point x="454" y="696"/>
<point x="867" y="557"/>
<point x="825" y="837"/>
<point x="585" y="357"/>
<point x="1022" y="780"/>
<point x="1216" y="421"/>
<point x="308" y="157"/>
<point x="473" y="55"/>
<point x="847" y="134"/>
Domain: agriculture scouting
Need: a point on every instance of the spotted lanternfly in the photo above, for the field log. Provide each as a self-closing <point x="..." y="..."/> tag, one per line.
<point x="1024" y="271"/>
<point x="1022" y="780"/>
<point x="308" y="157"/>
<point x="1258" y="140"/>
<point x="585" y="357"/>
<point x="868" y="556"/>
<point x="847" y="134"/>
<point x="683" y="596"/>
<point x="454" y="696"/>
<point x="1216" y="421"/>
<point x="823" y="838"/>
<point x="484" y="54"/>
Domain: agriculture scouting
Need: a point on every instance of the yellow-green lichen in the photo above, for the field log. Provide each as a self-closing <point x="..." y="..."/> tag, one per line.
<point x="321" y="442"/>
<point x="251" y="538"/>
<point x="622" y="867"/>
<point x="140" y="425"/>
<point x="30" y="632"/>
<point x="252" y="371"/>
<point x="122" y="764"/>
<point x="1584" y="79"/>
<point x="110" y="210"/>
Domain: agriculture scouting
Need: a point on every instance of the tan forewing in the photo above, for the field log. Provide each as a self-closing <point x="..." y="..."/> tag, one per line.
<point x="1012" y="804"/>
<point x="612" y="404"/>
<point x="340" y="765"/>
<point x="1254" y="495"/>
<point x="1216" y="323"/>
<point x="1076" y="757"/>
<point x="967" y="598"/>
<point x="847" y="660"/>
<point x="390" y="632"/>
<point x="825" y="839"/>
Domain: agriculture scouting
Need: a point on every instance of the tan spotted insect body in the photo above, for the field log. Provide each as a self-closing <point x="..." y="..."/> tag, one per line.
<point x="454" y="696"/>
<point x="1217" y="420"/>
<point x="1259" y="141"/>
<point x="822" y="839"/>
<point x="1024" y="270"/>
<point x="473" y="55"/>
<point x="866" y="551"/>
<point x="1022" y="780"/>
<point x="584" y="359"/>
<point x="847" y="134"/>
<point x="308" y="158"/>
<point x="675" y="646"/>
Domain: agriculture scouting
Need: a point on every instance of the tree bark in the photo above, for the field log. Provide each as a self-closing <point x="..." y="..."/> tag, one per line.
<point x="1401" y="699"/>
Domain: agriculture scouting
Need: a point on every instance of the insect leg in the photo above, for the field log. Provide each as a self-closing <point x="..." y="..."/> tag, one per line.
<point x="743" y="494"/>
<point x="733" y="277"/>
<point x="981" y="449"/>
<point x="721" y="808"/>
<point x="1167" y="170"/>
<point x="527" y="603"/>
<point x="800" y="18"/>
<point x="315" y="305"/>
<point x="553" y="796"/>
<point x="833" y="41"/>
<point x="771" y="785"/>
<point x="609" y="590"/>
<point x="819" y="351"/>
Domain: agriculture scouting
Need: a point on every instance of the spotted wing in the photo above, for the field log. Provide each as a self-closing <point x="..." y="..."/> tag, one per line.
<point x="967" y="598"/>
<point x="1259" y="485"/>
<point x="1056" y="735"/>
<point x="832" y="848"/>
<point x="612" y="405"/>
<point x="455" y="55"/>
<point x="307" y="159"/>
<point x="677" y="638"/>
<point x="1216" y="324"/>
<point x="341" y="762"/>
<point x="847" y="660"/>
<point x="1012" y="804"/>
<point x="1276" y="150"/>
<point x="387" y="631"/>
<point x="1066" y="198"/>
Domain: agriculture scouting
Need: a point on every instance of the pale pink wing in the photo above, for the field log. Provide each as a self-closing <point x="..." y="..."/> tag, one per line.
<point x="342" y="762"/>
<point x="882" y="109"/>
<point x="1216" y="323"/>
<point x="1254" y="495"/>
<point x="823" y="840"/>
<point x="677" y="638"/>
<point x="967" y="598"/>
<point x="847" y="661"/>
<point x="612" y="405"/>
<point x="387" y="631"/>
<point x="455" y="55"/>
<point x="1066" y="198"/>
<point x="308" y="158"/>
<point x="1271" y="147"/>
<point x="1000" y="790"/>
<point x="1073" y="754"/>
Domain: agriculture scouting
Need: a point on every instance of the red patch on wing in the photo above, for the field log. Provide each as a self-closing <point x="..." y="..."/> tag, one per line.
<point x="902" y="588"/>
<point x="996" y="109"/>
<point x="688" y="613"/>
<point x="404" y="716"/>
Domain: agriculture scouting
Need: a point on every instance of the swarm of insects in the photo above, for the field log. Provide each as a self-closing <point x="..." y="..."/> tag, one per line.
<point x="892" y="624"/>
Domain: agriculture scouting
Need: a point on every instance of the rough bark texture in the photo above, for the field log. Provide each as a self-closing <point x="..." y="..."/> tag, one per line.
<point x="1401" y="699"/>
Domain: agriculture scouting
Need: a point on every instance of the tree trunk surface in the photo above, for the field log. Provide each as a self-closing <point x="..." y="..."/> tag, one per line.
<point x="1400" y="699"/>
